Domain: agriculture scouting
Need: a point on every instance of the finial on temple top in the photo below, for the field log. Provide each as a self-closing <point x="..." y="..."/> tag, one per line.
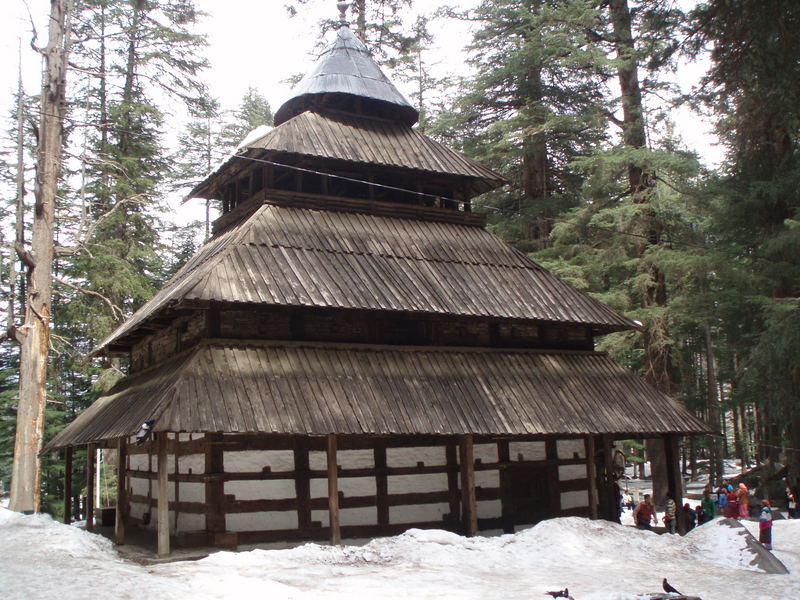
<point x="343" y="6"/>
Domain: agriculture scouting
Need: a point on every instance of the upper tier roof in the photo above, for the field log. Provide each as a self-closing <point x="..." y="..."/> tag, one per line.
<point x="346" y="71"/>
<point x="360" y="140"/>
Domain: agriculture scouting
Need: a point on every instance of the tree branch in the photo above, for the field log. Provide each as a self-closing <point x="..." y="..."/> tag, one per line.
<point x="26" y="256"/>
<point x="116" y="312"/>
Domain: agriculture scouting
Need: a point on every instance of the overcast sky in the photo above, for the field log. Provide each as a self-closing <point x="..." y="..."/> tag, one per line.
<point x="255" y="43"/>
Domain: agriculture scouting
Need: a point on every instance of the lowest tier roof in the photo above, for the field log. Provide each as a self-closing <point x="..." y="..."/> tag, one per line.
<point x="315" y="389"/>
<point x="282" y="256"/>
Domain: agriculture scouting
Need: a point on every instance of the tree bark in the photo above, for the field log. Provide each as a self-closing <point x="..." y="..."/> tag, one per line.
<point x="655" y="333"/>
<point x="713" y="407"/>
<point x="35" y="332"/>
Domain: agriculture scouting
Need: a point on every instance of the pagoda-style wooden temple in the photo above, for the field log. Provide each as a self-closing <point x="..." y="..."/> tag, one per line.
<point x="352" y="354"/>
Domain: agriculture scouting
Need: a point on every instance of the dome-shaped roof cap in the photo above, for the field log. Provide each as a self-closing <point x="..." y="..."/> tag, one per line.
<point x="344" y="72"/>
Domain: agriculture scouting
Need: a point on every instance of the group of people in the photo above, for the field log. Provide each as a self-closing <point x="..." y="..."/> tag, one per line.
<point x="733" y="502"/>
<point x="728" y="501"/>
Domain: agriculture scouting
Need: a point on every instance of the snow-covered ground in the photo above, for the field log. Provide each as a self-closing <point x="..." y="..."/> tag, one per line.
<point x="597" y="560"/>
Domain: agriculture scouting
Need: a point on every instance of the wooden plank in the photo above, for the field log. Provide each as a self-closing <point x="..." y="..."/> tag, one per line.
<point x="163" y="500"/>
<point x="91" y="454"/>
<point x="551" y="452"/>
<point x="215" y="483"/>
<point x="610" y="501"/>
<point x="302" y="482"/>
<point x="67" y="485"/>
<point x="177" y="447"/>
<point x="506" y="501"/>
<point x="454" y="494"/>
<point x="333" y="491"/>
<point x="122" y="482"/>
<point x="381" y="481"/>
<point x="469" y="509"/>
<point x="591" y="472"/>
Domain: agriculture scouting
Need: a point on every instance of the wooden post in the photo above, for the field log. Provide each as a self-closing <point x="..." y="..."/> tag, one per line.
<point x="122" y="482"/>
<point x="469" y="512"/>
<point x="611" y="497"/>
<point x="68" y="485"/>
<point x="215" y="485"/>
<point x="506" y="499"/>
<point x="163" y="499"/>
<point x="381" y="481"/>
<point x="302" y="483"/>
<point x="453" y="492"/>
<point x="91" y="453"/>
<point x="333" y="490"/>
<point x="674" y="479"/>
<point x="591" y="473"/>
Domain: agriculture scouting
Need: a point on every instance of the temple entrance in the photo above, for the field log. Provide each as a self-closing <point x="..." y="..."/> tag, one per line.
<point x="530" y="494"/>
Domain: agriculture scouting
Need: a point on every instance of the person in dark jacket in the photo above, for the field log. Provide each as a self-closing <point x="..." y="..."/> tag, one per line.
<point x="691" y="517"/>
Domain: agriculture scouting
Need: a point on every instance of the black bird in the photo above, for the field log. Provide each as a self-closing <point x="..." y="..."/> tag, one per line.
<point x="668" y="588"/>
<point x="559" y="594"/>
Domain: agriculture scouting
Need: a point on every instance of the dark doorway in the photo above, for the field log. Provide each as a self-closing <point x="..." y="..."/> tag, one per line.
<point x="530" y="494"/>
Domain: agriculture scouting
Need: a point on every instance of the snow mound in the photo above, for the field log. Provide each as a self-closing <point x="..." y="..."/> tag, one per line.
<point x="596" y="560"/>
<point x="56" y="538"/>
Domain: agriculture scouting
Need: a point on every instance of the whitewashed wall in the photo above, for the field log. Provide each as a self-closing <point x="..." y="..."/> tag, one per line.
<point x="277" y="461"/>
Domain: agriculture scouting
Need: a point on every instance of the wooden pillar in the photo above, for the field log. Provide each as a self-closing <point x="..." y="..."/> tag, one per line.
<point x="610" y="500"/>
<point x="381" y="481"/>
<point x="453" y="491"/>
<point x="469" y="512"/>
<point x="163" y="496"/>
<point x="674" y="479"/>
<point x="302" y="482"/>
<point x="506" y="501"/>
<point x="591" y="473"/>
<point x="122" y="486"/>
<point x="91" y="454"/>
<point x="333" y="490"/>
<point x="215" y="484"/>
<point x="68" y="485"/>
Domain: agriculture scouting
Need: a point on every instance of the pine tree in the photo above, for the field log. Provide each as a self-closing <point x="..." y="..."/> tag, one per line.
<point x="535" y="105"/>
<point x="253" y="111"/>
<point x="753" y="84"/>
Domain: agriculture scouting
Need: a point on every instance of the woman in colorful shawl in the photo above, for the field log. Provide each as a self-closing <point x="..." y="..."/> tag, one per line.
<point x="765" y="525"/>
<point x="741" y="498"/>
<point x="731" y="508"/>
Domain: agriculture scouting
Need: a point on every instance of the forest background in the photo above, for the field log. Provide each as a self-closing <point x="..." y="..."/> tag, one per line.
<point x="576" y="102"/>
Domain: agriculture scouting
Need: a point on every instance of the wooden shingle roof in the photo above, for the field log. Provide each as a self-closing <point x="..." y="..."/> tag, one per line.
<point x="285" y="256"/>
<point x="339" y="136"/>
<point x="315" y="388"/>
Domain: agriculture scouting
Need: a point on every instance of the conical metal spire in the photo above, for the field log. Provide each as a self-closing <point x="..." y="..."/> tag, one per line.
<point x="347" y="78"/>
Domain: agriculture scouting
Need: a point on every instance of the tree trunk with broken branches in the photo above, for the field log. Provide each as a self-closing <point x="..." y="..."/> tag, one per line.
<point x="34" y="334"/>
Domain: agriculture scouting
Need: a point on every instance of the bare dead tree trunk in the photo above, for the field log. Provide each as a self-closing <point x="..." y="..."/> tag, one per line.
<point x="34" y="335"/>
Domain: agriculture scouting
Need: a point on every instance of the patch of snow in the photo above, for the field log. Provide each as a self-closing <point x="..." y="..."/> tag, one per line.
<point x="41" y="559"/>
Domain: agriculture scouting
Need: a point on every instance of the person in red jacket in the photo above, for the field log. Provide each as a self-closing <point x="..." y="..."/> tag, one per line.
<point x="644" y="513"/>
<point x="732" y="508"/>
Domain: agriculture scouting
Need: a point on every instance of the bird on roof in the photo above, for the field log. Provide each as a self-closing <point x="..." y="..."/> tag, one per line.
<point x="559" y="594"/>
<point x="668" y="588"/>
